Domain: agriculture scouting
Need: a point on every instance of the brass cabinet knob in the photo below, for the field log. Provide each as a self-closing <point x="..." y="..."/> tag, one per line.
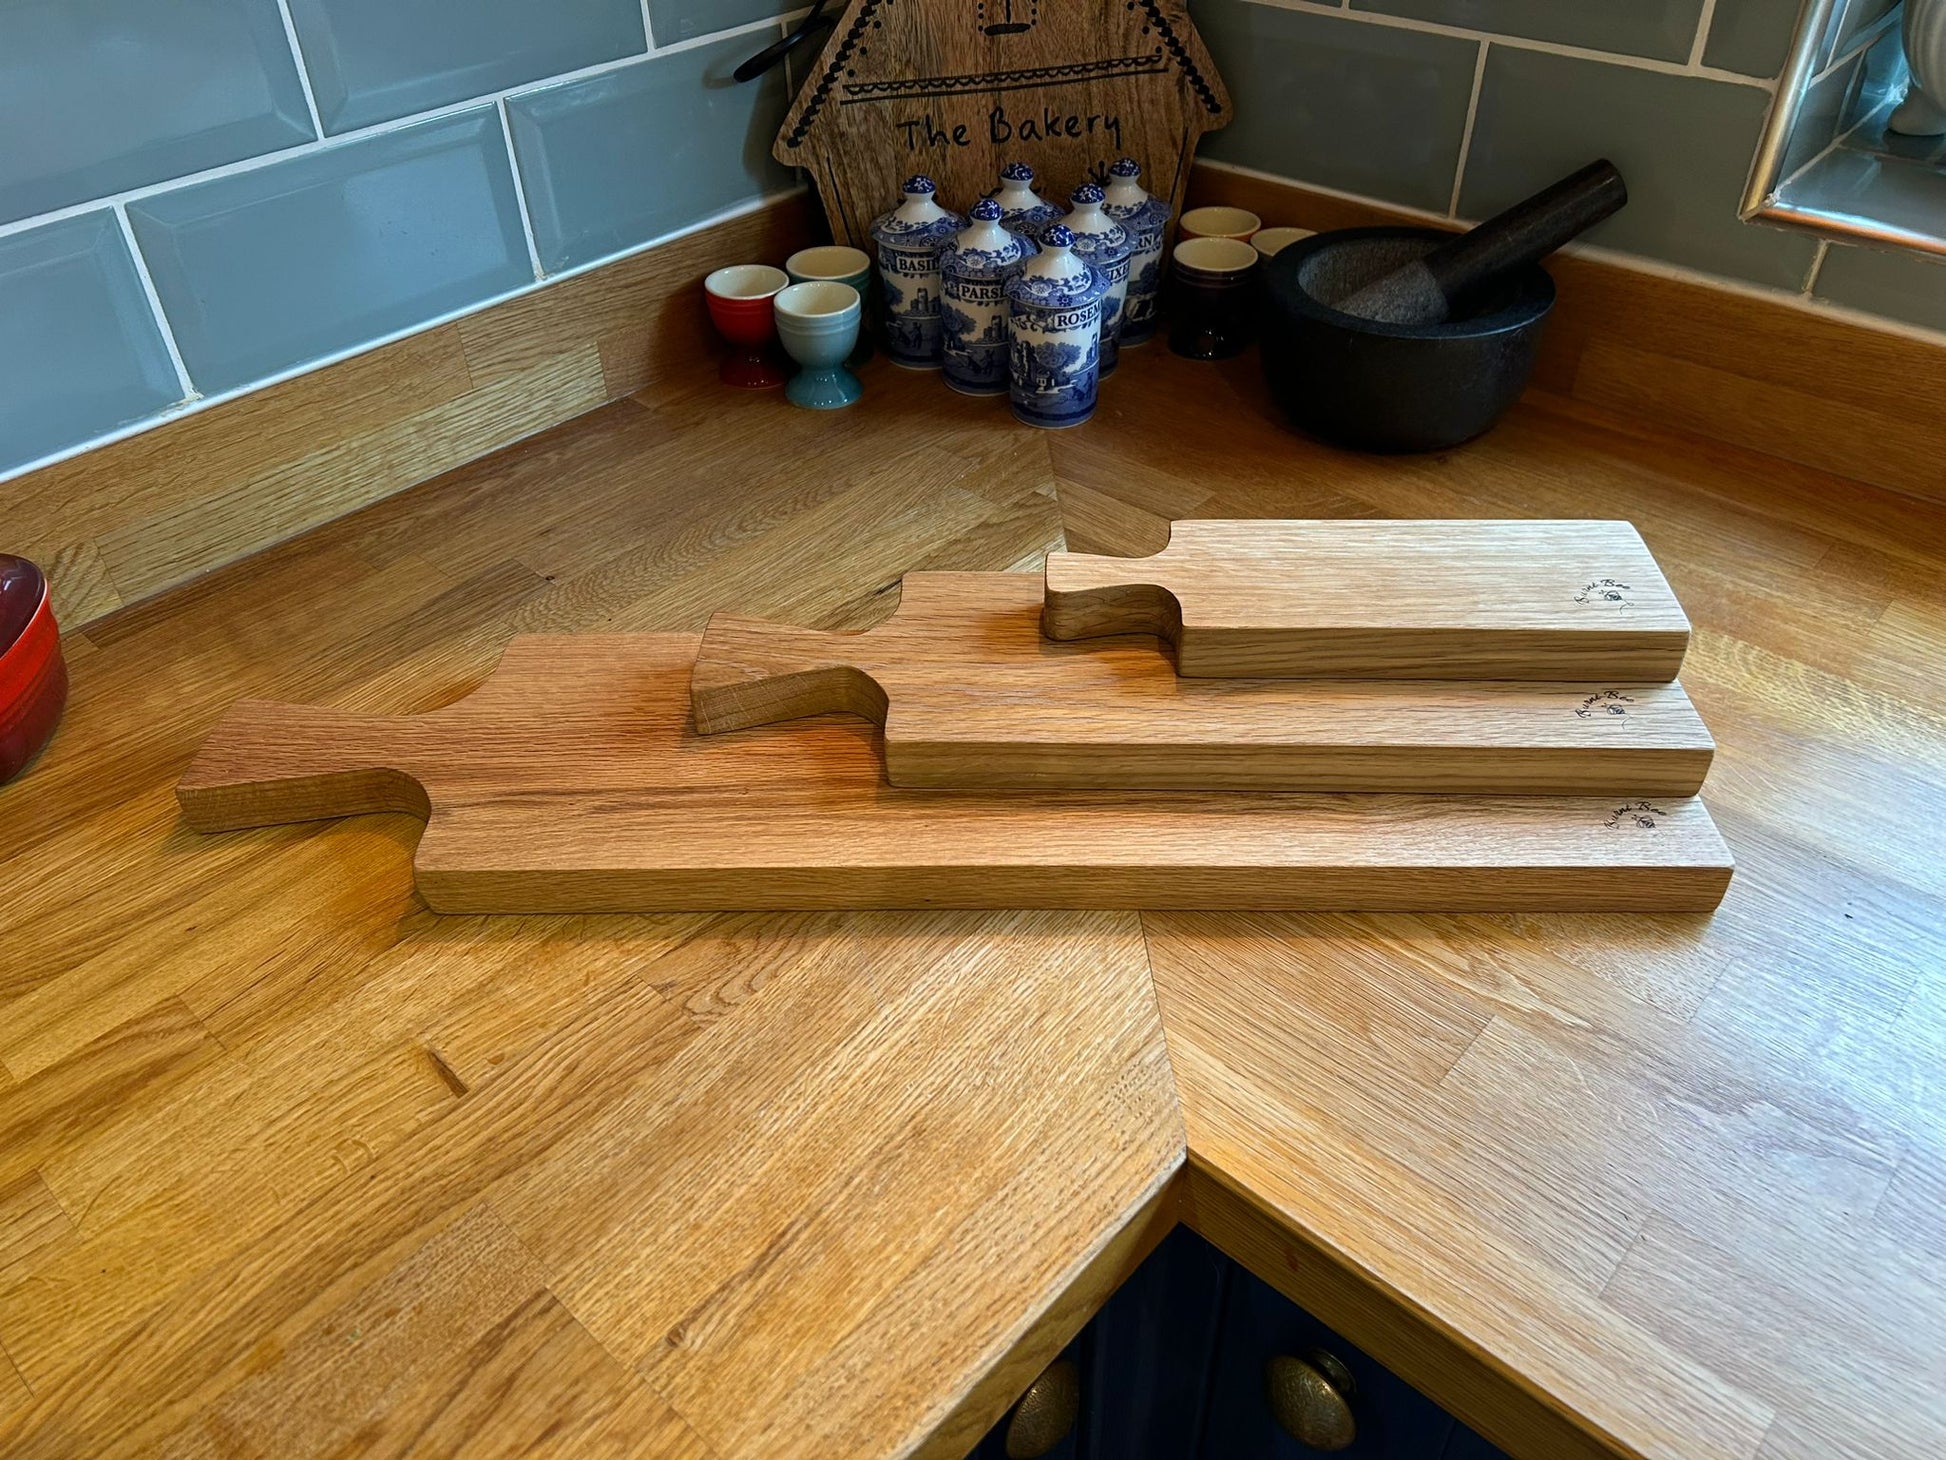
<point x="1046" y="1412"/>
<point x="1310" y="1398"/>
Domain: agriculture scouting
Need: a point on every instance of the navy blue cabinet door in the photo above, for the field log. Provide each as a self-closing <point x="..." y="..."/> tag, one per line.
<point x="1146" y="1389"/>
<point x="1393" y="1420"/>
<point x="1173" y="1368"/>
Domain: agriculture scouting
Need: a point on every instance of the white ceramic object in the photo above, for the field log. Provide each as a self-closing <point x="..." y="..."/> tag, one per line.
<point x="1104" y="243"/>
<point x="1923" y="112"/>
<point x="1022" y="210"/>
<point x="974" y="268"/>
<point x="1217" y="221"/>
<point x="1147" y="220"/>
<point x="909" y="239"/>
<point x="1054" y="306"/>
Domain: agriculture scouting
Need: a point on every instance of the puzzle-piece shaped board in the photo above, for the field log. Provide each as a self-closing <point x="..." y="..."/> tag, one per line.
<point x="571" y="781"/>
<point x="1352" y="599"/>
<point x="972" y="697"/>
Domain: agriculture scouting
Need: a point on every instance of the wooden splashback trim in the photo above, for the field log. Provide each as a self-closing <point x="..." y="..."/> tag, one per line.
<point x="1681" y="355"/>
<point x="123" y="522"/>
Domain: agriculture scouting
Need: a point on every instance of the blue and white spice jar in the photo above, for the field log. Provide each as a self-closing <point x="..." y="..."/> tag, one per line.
<point x="1054" y="318"/>
<point x="1104" y="243"/>
<point x="974" y="267"/>
<point x="1146" y="217"/>
<point x="1022" y="210"/>
<point x="909" y="240"/>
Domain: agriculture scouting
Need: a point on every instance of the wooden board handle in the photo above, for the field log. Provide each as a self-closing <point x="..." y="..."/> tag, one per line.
<point x="267" y="763"/>
<point x="1089" y="596"/>
<point x="749" y="672"/>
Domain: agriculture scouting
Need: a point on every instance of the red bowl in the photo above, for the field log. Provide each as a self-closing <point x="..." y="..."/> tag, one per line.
<point x="33" y="676"/>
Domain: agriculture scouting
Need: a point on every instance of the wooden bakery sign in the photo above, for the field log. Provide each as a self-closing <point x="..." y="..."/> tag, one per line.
<point x="955" y="88"/>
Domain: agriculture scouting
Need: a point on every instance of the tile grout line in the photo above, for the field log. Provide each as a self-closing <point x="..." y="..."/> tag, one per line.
<point x="189" y="391"/>
<point x="303" y="71"/>
<point x="1702" y="41"/>
<point x="520" y="189"/>
<point x="1817" y="267"/>
<point x="648" y="28"/>
<point x="1466" y="135"/>
<point x="376" y="129"/>
<point x="1524" y="43"/>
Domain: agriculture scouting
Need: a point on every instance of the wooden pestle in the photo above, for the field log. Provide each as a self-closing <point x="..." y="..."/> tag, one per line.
<point x="1432" y="289"/>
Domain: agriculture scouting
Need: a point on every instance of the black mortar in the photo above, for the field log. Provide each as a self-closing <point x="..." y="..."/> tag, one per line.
<point x="1391" y="387"/>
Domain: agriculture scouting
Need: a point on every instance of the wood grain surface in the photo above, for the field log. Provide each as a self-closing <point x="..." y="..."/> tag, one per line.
<point x="1377" y="600"/>
<point x="572" y="782"/>
<point x="115" y="525"/>
<point x="955" y="89"/>
<point x="1618" y="1185"/>
<point x="971" y="696"/>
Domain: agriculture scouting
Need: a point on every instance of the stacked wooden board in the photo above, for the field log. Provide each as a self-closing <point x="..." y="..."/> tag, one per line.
<point x="1392" y="600"/>
<point x="1042" y="751"/>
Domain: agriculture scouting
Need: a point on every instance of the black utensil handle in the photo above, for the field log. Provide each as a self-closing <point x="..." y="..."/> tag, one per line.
<point x="1529" y="230"/>
<point x="775" y="52"/>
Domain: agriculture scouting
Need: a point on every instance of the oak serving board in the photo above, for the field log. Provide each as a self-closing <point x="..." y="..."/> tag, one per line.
<point x="571" y="781"/>
<point x="971" y="696"/>
<point x="1575" y="600"/>
<point x="956" y="88"/>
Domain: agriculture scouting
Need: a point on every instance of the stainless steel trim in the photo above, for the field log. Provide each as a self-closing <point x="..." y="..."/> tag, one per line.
<point x="1812" y="22"/>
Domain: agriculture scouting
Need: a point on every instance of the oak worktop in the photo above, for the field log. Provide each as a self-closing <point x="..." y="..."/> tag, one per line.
<point x="291" y="1166"/>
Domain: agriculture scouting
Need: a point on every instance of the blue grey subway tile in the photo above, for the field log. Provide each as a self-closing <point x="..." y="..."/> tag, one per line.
<point x="1859" y="17"/>
<point x="1371" y="109"/>
<point x="1663" y="29"/>
<point x="98" y="96"/>
<point x="617" y="159"/>
<point x="1907" y="286"/>
<point x="1893" y="182"/>
<point x="1683" y="142"/>
<point x="374" y="60"/>
<point x="1751" y="37"/>
<point x="80" y="353"/>
<point x="283" y="264"/>
<point x="684" y="20"/>
<point x="1820" y="114"/>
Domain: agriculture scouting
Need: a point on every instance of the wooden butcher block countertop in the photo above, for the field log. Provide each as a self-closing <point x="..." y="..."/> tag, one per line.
<point x="290" y="1166"/>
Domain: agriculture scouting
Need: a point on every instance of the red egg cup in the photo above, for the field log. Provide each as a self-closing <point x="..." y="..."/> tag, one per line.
<point x="741" y="306"/>
<point x="33" y="676"/>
